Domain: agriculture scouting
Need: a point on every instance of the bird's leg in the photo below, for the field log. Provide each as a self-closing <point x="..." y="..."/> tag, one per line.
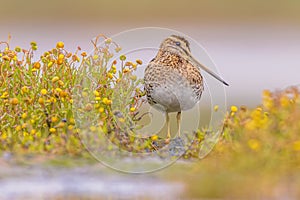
<point x="178" y="122"/>
<point x="168" y="126"/>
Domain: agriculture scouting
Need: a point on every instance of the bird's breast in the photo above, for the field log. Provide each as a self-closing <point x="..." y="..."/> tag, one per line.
<point x="172" y="89"/>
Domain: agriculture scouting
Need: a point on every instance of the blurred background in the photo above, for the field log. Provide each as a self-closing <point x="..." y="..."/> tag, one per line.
<point x="255" y="44"/>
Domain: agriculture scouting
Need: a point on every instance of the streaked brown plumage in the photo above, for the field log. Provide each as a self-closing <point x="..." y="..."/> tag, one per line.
<point x="173" y="81"/>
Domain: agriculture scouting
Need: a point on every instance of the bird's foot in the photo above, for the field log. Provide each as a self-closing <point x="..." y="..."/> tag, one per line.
<point x="167" y="140"/>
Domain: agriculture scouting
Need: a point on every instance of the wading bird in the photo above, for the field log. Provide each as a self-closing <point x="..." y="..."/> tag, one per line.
<point x="173" y="81"/>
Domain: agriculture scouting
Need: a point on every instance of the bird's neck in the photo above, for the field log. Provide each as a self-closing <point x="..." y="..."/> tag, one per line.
<point x="168" y="58"/>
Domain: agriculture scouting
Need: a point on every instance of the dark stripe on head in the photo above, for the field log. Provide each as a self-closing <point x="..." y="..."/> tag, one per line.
<point x="182" y="39"/>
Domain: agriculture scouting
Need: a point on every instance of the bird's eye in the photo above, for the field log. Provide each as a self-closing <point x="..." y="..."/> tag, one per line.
<point x="177" y="43"/>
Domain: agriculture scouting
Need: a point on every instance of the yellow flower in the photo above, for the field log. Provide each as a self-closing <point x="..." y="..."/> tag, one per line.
<point x="96" y="93"/>
<point x="254" y="144"/>
<point x="18" y="49"/>
<point x="60" y="61"/>
<point x="24" y="126"/>
<point x="24" y="115"/>
<point x="52" y="130"/>
<point x="24" y="89"/>
<point x="44" y="60"/>
<point x="109" y="102"/>
<point x="44" y="91"/>
<point x="25" y="133"/>
<point x="126" y="70"/>
<point x="259" y="119"/>
<point x="83" y="54"/>
<point x="18" y="128"/>
<point x="268" y="103"/>
<point x="37" y="65"/>
<point x="154" y="137"/>
<point x="60" y="83"/>
<point x="296" y="145"/>
<point x="134" y="66"/>
<point x="72" y="121"/>
<point x="61" y="56"/>
<point x="109" y="75"/>
<point x="52" y="100"/>
<point x="216" y="108"/>
<point x="60" y="45"/>
<point x="106" y="101"/>
<point x="77" y="130"/>
<point x="97" y="98"/>
<point x="70" y="127"/>
<point x="267" y="94"/>
<point x="284" y="101"/>
<point x="54" y="119"/>
<point x="101" y="109"/>
<point x="63" y="94"/>
<point x="33" y="43"/>
<point x="50" y="64"/>
<point x="58" y="90"/>
<point x="122" y="57"/>
<point x="138" y="61"/>
<point x="256" y="114"/>
<point x="132" y="109"/>
<point x="34" y="48"/>
<point x="234" y="109"/>
<point x="14" y="101"/>
<point x="4" y="95"/>
<point x="122" y="120"/>
<point x="128" y="64"/>
<point x="33" y="131"/>
<point x="6" y="58"/>
<point x="41" y="101"/>
<point x="54" y="79"/>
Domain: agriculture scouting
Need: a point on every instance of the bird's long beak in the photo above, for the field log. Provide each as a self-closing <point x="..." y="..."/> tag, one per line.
<point x="196" y="63"/>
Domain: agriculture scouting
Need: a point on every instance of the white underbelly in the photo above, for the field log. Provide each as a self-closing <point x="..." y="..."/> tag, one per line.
<point x="174" y="98"/>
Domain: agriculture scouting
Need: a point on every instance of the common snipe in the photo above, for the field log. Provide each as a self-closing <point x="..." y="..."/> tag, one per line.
<point x="173" y="82"/>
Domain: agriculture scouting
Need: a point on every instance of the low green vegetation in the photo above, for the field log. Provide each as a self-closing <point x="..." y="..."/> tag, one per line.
<point x="52" y="103"/>
<point x="258" y="156"/>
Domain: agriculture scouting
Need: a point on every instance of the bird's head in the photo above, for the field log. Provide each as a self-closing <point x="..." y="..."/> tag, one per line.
<point x="180" y="46"/>
<point x="177" y="45"/>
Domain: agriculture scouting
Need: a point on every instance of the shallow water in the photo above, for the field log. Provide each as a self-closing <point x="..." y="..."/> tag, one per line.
<point x="88" y="182"/>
